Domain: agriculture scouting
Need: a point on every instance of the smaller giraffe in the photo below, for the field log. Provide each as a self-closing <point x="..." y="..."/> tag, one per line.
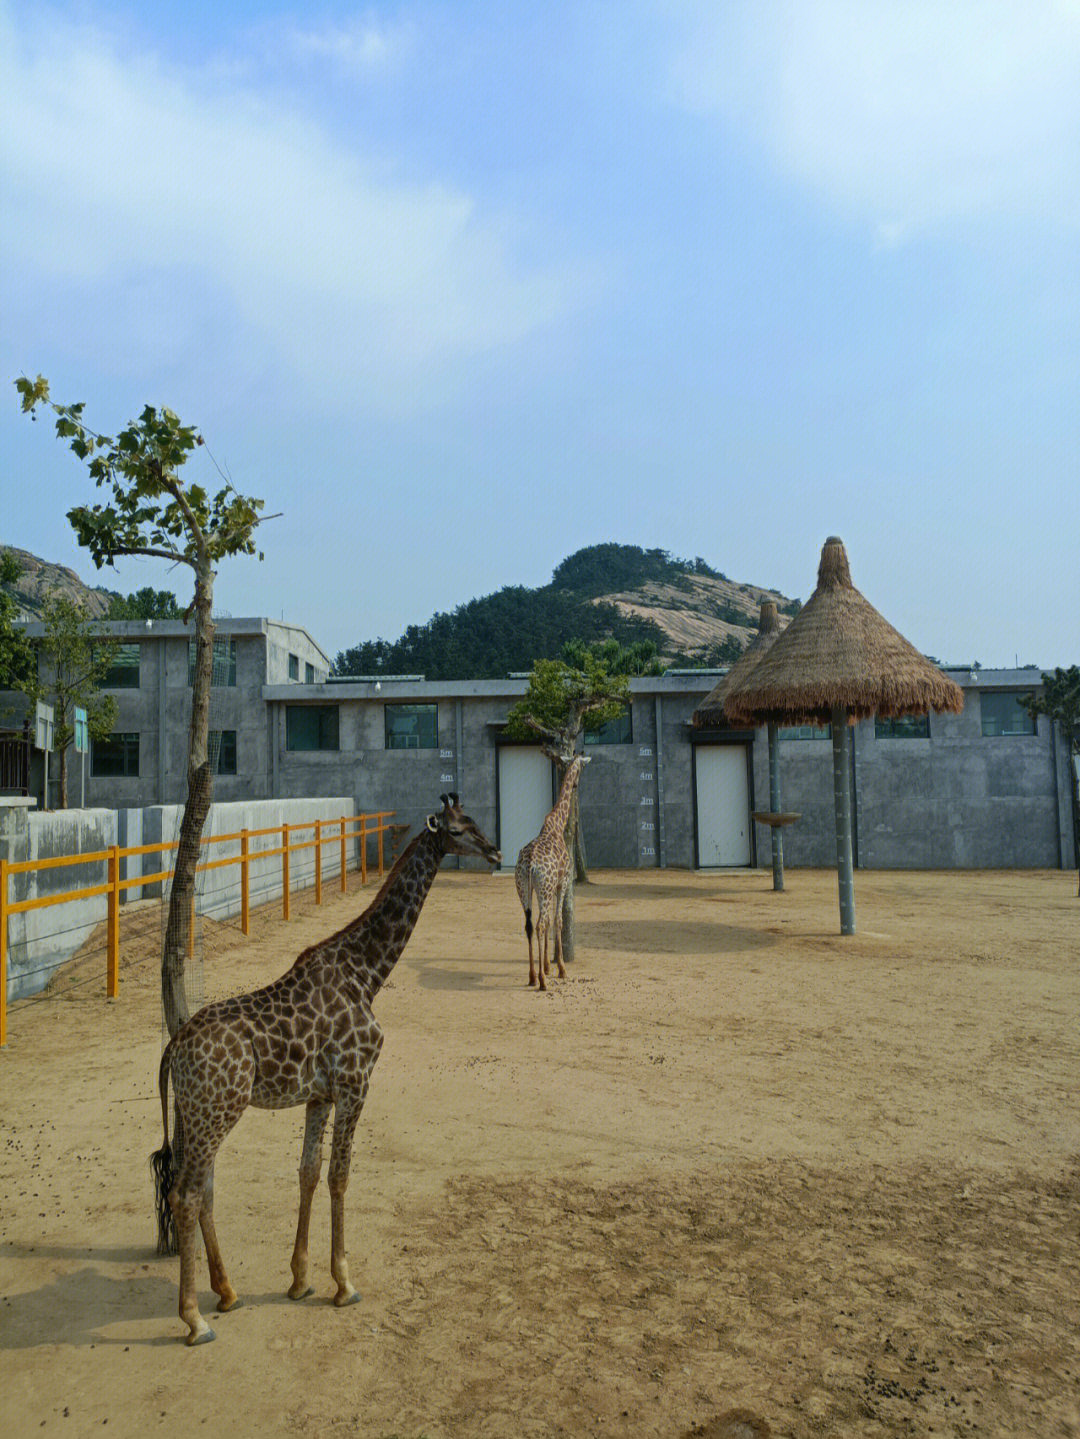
<point x="544" y="868"/>
<point x="308" y="1038"/>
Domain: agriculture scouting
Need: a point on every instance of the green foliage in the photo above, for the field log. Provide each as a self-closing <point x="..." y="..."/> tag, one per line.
<point x="76" y="662"/>
<point x="151" y="511"/>
<point x="604" y="569"/>
<point x="145" y="604"/>
<point x="1060" y="701"/>
<point x="491" y="637"/>
<point x="16" y="653"/>
<point x="585" y="690"/>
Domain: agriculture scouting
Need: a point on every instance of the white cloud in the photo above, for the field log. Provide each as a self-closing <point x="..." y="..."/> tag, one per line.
<point x="121" y="169"/>
<point x="364" y="45"/>
<point x="906" y="113"/>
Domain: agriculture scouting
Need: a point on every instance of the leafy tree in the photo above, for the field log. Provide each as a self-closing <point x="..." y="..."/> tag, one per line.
<point x="1060" y="702"/>
<point x="150" y="510"/>
<point x="145" y="604"/>
<point x="75" y="664"/>
<point x="16" y="653"/>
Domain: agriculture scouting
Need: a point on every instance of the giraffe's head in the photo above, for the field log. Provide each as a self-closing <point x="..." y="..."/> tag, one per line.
<point x="459" y="834"/>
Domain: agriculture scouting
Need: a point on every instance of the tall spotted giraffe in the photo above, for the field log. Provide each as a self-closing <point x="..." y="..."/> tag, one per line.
<point x="544" y="868"/>
<point x="309" y="1038"/>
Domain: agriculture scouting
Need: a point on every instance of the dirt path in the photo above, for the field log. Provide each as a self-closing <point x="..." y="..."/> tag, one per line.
<point x="734" y="1166"/>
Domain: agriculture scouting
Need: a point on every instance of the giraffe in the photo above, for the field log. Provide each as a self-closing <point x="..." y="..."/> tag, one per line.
<point x="309" y="1038"/>
<point x="544" y="867"/>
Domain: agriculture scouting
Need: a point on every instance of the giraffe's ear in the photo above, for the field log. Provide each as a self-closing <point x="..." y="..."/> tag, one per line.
<point x="432" y="822"/>
<point x="445" y="800"/>
<point x="454" y="800"/>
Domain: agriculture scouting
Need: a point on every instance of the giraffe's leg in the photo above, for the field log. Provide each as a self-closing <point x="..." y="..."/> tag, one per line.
<point x="186" y="1202"/>
<point x="347" y="1109"/>
<point x="560" y="908"/>
<point x="219" y="1281"/>
<point x="542" y="948"/>
<point x="318" y="1112"/>
<point x="529" y="937"/>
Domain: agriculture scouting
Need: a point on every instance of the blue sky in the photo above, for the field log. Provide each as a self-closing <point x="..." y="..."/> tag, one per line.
<point x="461" y="287"/>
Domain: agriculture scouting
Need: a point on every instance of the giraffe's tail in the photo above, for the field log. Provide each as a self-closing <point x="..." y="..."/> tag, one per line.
<point x="164" y="1171"/>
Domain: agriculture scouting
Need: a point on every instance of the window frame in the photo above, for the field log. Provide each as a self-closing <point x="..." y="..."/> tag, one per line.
<point x="121" y="743"/>
<point x="224" y="749"/>
<point x="796" y="733"/>
<point x="604" y="734"/>
<point x="1031" y="727"/>
<point x="110" y="680"/>
<point x="886" y="728"/>
<point x="321" y="712"/>
<point x="220" y="643"/>
<point x="389" y="735"/>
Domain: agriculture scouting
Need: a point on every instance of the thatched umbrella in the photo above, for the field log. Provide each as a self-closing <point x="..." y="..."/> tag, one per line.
<point x="710" y="714"/>
<point x="837" y="662"/>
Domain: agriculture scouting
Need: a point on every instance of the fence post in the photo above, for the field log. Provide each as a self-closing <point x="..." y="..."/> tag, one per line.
<point x="380" y="830"/>
<point x="363" y="849"/>
<point x="112" y="981"/>
<point x="318" y="861"/>
<point x="285" y="871"/>
<point x="245" y="889"/>
<point x="343" y="881"/>
<point x="3" y="950"/>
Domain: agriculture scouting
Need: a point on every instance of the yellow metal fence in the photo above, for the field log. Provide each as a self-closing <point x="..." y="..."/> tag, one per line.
<point x="325" y="832"/>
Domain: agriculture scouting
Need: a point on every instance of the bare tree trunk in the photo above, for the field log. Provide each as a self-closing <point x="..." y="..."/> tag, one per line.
<point x="200" y="792"/>
<point x="63" y="777"/>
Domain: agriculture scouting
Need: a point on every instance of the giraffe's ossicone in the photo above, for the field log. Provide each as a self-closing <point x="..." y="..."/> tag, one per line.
<point x="309" y="1038"/>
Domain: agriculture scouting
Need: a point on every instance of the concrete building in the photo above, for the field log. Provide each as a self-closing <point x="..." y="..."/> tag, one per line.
<point x="987" y="788"/>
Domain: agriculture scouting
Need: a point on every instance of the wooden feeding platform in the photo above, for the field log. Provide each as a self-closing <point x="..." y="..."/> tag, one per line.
<point x="776" y="819"/>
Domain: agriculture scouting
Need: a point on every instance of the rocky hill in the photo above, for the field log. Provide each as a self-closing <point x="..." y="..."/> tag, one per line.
<point x="694" y="614"/>
<point x="38" y="579"/>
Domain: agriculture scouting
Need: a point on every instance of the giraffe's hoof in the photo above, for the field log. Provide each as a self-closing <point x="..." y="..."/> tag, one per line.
<point x="229" y="1307"/>
<point x="300" y="1293"/>
<point x="204" y="1337"/>
<point x="349" y="1297"/>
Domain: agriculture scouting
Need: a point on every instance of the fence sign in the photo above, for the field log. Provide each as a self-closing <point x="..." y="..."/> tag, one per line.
<point x="43" y="726"/>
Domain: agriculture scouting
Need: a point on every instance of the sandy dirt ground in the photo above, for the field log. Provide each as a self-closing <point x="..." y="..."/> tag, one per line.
<point x="735" y="1176"/>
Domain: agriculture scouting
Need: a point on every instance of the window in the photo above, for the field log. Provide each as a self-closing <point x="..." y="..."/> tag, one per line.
<point x="294" y="667"/>
<point x="117" y="755"/>
<point x="309" y="727"/>
<point x="616" y="731"/>
<point x="903" y="727"/>
<point x="805" y="731"/>
<point x="1003" y="714"/>
<point x="221" y="744"/>
<point x="223" y="672"/>
<point x="309" y="674"/>
<point x="123" y="671"/>
<point x="412" y="726"/>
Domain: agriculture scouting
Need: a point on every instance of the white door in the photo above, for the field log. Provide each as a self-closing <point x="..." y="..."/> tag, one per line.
<point x="723" y="805"/>
<point x="525" y="798"/>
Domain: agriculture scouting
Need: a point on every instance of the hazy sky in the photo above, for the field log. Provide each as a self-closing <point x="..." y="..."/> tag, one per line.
<point x="461" y="287"/>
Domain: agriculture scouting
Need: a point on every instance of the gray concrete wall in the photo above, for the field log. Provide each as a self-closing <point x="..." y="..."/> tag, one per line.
<point x="958" y="799"/>
<point x="40" y="941"/>
<point x="218" y="891"/>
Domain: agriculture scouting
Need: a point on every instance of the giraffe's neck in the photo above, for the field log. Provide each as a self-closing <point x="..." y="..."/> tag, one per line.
<point x="556" y="820"/>
<point x="373" y="944"/>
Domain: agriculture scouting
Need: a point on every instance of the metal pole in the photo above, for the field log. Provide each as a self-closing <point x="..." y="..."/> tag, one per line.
<point x="774" y="806"/>
<point x="841" y="748"/>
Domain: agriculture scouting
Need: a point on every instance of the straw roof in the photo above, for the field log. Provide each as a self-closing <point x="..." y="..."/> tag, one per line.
<point x="838" y="652"/>
<point x="710" y="713"/>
